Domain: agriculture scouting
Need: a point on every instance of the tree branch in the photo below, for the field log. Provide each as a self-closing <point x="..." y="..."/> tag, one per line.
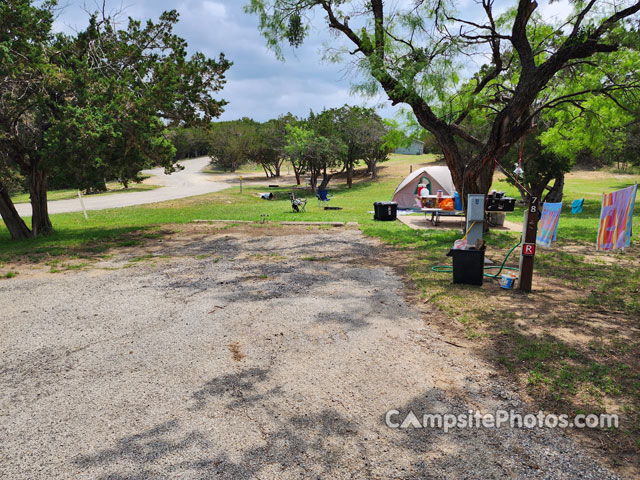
<point x="336" y="24"/>
<point x="458" y="131"/>
<point x="519" y="35"/>
<point x="580" y="17"/>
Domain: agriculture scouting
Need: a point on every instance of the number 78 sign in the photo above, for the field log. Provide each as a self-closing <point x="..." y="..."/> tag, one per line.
<point x="530" y="228"/>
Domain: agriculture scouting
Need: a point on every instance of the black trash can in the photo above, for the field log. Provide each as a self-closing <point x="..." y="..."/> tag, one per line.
<point x="385" y="211"/>
<point x="468" y="266"/>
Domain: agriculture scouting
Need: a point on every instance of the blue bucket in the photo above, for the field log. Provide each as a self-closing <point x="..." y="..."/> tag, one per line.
<point x="507" y="281"/>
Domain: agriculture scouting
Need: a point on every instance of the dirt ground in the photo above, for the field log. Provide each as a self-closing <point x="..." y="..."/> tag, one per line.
<point x="248" y="352"/>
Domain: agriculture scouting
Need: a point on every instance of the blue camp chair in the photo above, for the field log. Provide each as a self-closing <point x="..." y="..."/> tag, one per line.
<point x="323" y="196"/>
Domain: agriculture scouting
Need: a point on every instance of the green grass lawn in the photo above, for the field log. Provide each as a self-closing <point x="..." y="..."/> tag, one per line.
<point x="577" y="187"/>
<point x="66" y="194"/>
<point x="523" y="335"/>
<point x="72" y="230"/>
<point x="411" y="159"/>
<point x="583" y="226"/>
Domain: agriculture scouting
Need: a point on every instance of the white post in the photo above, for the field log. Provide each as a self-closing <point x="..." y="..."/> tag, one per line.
<point x="84" y="210"/>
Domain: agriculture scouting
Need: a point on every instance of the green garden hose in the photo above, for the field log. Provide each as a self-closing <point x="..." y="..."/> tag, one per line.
<point x="449" y="268"/>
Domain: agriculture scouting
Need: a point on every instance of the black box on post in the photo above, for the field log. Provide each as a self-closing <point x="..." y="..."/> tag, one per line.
<point x="468" y="266"/>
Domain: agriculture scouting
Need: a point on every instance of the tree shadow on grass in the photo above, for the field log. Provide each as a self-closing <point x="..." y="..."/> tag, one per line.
<point x="576" y="362"/>
<point x="72" y="241"/>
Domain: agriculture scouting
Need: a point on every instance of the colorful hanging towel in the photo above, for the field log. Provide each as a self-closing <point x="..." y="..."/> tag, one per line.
<point x="548" y="226"/>
<point x="576" y="205"/>
<point x="616" y="219"/>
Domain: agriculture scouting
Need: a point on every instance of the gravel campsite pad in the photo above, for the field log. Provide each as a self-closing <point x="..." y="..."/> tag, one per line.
<point x="244" y="355"/>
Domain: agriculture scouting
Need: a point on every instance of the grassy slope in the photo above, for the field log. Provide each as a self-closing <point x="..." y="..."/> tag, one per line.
<point x="66" y="194"/>
<point x="72" y="230"/>
<point x="528" y="339"/>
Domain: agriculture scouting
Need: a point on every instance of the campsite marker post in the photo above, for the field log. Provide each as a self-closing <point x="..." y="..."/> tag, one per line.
<point x="529" y="232"/>
<point x="84" y="210"/>
<point x="240" y="184"/>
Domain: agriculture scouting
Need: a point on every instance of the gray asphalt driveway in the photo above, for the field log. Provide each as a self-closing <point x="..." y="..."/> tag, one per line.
<point x="247" y="355"/>
<point x="185" y="183"/>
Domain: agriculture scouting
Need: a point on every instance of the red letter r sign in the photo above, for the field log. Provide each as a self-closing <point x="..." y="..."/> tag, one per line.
<point x="529" y="249"/>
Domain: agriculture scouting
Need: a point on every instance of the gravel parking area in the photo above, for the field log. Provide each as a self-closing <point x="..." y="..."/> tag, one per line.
<point x="242" y="355"/>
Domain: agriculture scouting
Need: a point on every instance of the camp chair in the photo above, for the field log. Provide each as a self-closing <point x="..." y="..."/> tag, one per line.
<point x="323" y="196"/>
<point x="297" y="204"/>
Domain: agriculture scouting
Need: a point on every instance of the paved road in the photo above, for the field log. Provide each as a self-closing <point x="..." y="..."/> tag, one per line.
<point x="185" y="183"/>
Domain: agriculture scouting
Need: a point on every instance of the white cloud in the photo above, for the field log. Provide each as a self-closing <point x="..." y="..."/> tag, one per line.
<point x="556" y="11"/>
<point x="215" y="9"/>
<point x="258" y="85"/>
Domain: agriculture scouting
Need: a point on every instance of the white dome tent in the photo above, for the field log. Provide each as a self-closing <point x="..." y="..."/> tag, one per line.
<point x="436" y="178"/>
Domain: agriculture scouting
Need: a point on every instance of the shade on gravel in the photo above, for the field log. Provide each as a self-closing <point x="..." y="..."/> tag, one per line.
<point x="247" y="357"/>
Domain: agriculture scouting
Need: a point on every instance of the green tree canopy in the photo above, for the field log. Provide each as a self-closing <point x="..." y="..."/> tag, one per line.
<point x="231" y="142"/>
<point x="415" y="53"/>
<point x="313" y="153"/>
<point x="359" y="129"/>
<point x="94" y="105"/>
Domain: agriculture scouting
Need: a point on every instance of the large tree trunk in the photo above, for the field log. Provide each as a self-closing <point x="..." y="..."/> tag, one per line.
<point x="326" y="178"/>
<point x="556" y="192"/>
<point x="40" y="222"/>
<point x="485" y="179"/>
<point x="313" y="180"/>
<point x="296" y="172"/>
<point x="372" y="167"/>
<point x="16" y="226"/>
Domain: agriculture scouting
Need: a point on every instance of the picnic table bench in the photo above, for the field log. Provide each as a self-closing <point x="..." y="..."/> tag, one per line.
<point x="436" y="213"/>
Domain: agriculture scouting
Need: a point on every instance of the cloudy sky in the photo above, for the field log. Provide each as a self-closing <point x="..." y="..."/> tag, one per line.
<point x="258" y="85"/>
